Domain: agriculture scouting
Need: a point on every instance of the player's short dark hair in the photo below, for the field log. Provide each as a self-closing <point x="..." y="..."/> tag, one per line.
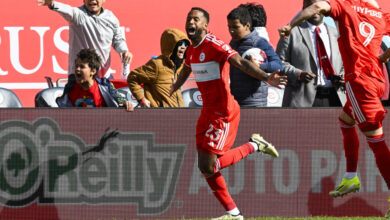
<point x="241" y="14"/>
<point x="91" y="57"/>
<point x="205" y="13"/>
<point x="257" y="13"/>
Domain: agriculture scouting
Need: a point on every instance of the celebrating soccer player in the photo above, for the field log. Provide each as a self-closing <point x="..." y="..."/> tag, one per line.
<point x="216" y="130"/>
<point x="362" y="24"/>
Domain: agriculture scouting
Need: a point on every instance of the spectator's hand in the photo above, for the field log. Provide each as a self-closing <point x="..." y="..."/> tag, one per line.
<point x="128" y="105"/>
<point x="307" y="76"/>
<point x="285" y="31"/>
<point x="254" y="61"/>
<point x="338" y="81"/>
<point x="385" y="56"/>
<point x="126" y="56"/>
<point x="145" y="103"/>
<point x="49" y="3"/>
<point x="275" y="80"/>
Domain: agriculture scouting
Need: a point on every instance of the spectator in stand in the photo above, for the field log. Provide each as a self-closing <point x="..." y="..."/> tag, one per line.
<point x="85" y="89"/>
<point x="157" y="74"/>
<point x="308" y="84"/>
<point x="92" y="26"/>
<point x="259" y="18"/>
<point x="247" y="90"/>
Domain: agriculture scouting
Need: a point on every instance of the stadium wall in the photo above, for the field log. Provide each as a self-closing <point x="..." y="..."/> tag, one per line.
<point x="149" y="171"/>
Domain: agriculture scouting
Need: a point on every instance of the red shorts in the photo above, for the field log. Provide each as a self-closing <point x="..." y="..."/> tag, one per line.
<point x="363" y="100"/>
<point x="216" y="135"/>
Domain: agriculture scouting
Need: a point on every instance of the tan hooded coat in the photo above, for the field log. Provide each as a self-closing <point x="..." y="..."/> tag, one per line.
<point x="156" y="75"/>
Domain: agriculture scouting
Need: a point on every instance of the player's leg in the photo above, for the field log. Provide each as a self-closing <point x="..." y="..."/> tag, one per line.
<point x="350" y="181"/>
<point x="369" y="113"/>
<point x="217" y="184"/>
<point x="210" y="138"/>
<point x="232" y="156"/>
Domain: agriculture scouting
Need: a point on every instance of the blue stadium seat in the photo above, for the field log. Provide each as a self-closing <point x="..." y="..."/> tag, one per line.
<point x="8" y="99"/>
<point x="192" y="98"/>
<point x="47" y="97"/>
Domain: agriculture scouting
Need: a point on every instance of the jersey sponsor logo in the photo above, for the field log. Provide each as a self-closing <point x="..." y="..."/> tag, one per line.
<point x="206" y="71"/>
<point x="367" y="11"/>
<point x="202" y="56"/>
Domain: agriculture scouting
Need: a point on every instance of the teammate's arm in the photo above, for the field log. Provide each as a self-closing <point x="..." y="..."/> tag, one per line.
<point x="183" y="76"/>
<point x="254" y="71"/>
<point x="320" y="7"/>
<point x="49" y="3"/>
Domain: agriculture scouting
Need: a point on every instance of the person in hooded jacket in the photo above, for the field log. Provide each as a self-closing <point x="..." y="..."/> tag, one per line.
<point x="157" y="74"/>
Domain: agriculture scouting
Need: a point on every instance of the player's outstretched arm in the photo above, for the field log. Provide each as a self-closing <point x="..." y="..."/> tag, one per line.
<point x="183" y="76"/>
<point x="254" y="71"/>
<point x="49" y="3"/>
<point x="320" y="7"/>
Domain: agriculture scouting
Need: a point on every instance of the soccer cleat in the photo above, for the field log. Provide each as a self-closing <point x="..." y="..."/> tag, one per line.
<point x="346" y="186"/>
<point x="387" y="216"/>
<point x="264" y="146"/>
<point x="228" y="216"/>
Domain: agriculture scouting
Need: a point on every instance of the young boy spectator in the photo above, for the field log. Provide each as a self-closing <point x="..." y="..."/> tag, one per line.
<point x="259" y="19"/>
<point x="85" y="89"/>
<point x="247" y="90"/>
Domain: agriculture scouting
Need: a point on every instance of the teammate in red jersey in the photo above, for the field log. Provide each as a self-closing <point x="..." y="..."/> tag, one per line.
<point x="362" y="24"/>
<point x="208" y="59"/>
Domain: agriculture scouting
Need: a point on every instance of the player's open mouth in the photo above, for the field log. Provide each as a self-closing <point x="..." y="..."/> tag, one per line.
<point x="92" y="5"/>
<point x="191" y="30"/>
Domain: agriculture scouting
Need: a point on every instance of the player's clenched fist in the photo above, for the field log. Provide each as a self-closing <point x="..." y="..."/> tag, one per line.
<point x="45" y="2"/>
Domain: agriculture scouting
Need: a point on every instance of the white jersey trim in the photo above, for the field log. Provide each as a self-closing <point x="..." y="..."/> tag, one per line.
<point x="354" y="102"/>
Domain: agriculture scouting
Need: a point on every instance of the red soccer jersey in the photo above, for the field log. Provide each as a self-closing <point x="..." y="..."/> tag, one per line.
<point x="208" y="61"/>
<point x="361" y="27"/>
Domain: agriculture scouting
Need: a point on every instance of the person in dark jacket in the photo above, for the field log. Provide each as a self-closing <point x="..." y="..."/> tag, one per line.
<point x="84" y="89"/>
<point x="248" y="91"/>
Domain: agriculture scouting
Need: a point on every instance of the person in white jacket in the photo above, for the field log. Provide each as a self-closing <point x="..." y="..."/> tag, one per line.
<point x="92" y="27"/>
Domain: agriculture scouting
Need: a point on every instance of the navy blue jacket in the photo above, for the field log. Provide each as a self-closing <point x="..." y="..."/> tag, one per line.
<point x="248" y="91"/>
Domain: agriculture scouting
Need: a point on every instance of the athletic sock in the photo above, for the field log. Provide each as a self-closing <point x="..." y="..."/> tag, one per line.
<point x="350" y="175"/>
<point x="382" y="154"/>
<point x="234" y="211"/>
<point x="254" y="145"/>
<point x="218" y="186"/>
<point x="233" y="156"/>
<point x="351" y="145"/>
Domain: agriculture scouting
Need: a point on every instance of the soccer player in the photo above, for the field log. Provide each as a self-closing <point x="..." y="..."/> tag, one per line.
<point x="362" y="24"/>
<point x="217" y="125"/>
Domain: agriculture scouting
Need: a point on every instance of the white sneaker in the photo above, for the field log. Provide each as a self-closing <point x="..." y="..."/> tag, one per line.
<point x="228" y="216"/>
<point x="264" y="146"/>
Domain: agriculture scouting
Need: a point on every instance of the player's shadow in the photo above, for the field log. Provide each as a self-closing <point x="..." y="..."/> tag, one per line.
<point x="321" y="204"/>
